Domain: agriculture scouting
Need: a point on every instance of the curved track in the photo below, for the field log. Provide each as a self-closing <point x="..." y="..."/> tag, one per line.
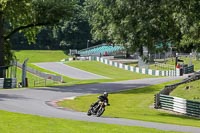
<point x="68" y="71"/>
<point x="37" y="101"/>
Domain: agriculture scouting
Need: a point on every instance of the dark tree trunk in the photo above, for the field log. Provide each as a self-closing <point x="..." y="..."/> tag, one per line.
<point x="1" y="46"/>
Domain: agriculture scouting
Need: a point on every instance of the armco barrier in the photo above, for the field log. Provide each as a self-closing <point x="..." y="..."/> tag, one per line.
<point x="137" y="69"/>
<point x="1" y="82"/>
<point x="180" y="105"/>
<point x="188" y="69"/>
<point x="8" y="83"/>
<point x="188" y="107"/>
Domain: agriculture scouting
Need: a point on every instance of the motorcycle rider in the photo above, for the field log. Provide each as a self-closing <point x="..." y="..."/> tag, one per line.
<point x="102" y="98"/>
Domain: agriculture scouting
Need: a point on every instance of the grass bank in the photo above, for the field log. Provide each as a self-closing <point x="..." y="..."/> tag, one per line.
<point x="40" y="55"/>
<point x="189" y="91"/>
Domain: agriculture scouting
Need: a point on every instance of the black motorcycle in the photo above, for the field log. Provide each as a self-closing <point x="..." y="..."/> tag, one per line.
<point x="97" y="109"/>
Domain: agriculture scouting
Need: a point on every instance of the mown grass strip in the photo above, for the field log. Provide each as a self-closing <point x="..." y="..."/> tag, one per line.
<point x="22" y="123"/>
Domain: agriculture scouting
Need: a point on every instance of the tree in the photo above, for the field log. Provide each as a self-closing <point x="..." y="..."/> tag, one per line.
<point x="70" y="34"/>
<point x="189" y="23"/>
<point x="137" y="23"/>
<point x="29" y="16"/>
<point x="74" y="33"/>
<point x="133" y="24"/>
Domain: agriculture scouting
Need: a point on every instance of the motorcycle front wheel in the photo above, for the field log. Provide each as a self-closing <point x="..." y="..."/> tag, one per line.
<point x="100" y="112"/>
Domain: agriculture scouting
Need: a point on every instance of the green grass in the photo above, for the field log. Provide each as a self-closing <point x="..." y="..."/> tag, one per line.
<point x="133" y="104"/>
<point x="21" y="123"/>
<point x="192" y="93"/>
<point x="114" y="73"/>
<point x="40" y="55"/>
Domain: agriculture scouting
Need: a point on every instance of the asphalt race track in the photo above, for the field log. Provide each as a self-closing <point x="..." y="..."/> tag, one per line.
<point x="68" y="71"/>
<point x="41" y="101"/>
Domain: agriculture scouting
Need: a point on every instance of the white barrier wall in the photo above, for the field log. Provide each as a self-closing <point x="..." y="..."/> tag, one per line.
<point x="1" y="82"/>
<point x="138" y="70"/>
<point x="13" y="83"/>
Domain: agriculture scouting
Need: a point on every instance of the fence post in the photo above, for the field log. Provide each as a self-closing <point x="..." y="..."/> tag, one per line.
<point x="157" y="101"/>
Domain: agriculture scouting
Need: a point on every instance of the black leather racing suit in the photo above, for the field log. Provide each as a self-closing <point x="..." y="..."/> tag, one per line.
<point x="101" y="98"/>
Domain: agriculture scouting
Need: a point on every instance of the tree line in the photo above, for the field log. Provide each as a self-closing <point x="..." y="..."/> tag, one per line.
<point x="67" y="34"/>
<point x="138" y="23"/>
<point x="64" y="24"/>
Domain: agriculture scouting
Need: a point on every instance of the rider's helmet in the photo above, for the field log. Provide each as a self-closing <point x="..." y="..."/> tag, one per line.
<point x="105" y="94"/>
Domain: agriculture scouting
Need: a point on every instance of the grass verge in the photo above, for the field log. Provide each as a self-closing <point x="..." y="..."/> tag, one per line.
<point x="21" y="123"/>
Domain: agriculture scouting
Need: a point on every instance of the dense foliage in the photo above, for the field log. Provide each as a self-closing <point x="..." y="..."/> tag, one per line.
<point x="28" y="17"/>
<point x="65" y="24"/>
<point x="137" y="23"/>
<point x="69" y="34"/>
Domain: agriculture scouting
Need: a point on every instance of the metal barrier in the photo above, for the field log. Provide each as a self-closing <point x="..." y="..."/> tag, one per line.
<point x="188" y="107"/>
<point x="1" y="82"/>
<point x="188" y="69"/>
<point x="43" y="75"/>
<point x="8" y="83"/>
<point x="40" y="82"/>
<point x="180" y="105"/>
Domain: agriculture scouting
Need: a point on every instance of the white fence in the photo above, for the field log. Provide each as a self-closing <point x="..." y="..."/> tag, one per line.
<point x="8" y="83"/>
<point x="137" y="69"/>
<point x="1" y="82"/>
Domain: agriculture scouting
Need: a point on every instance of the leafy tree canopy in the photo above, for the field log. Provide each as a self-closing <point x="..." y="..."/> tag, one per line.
<point x="29" y="16"/>
<point x="23" y="15"/>
<point x="138" y="23"/>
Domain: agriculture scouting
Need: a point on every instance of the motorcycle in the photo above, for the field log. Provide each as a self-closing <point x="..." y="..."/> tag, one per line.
<point x="97" y="109"/>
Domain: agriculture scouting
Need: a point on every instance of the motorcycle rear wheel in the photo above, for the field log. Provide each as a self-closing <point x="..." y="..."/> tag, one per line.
<point x="89" y="112"/>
